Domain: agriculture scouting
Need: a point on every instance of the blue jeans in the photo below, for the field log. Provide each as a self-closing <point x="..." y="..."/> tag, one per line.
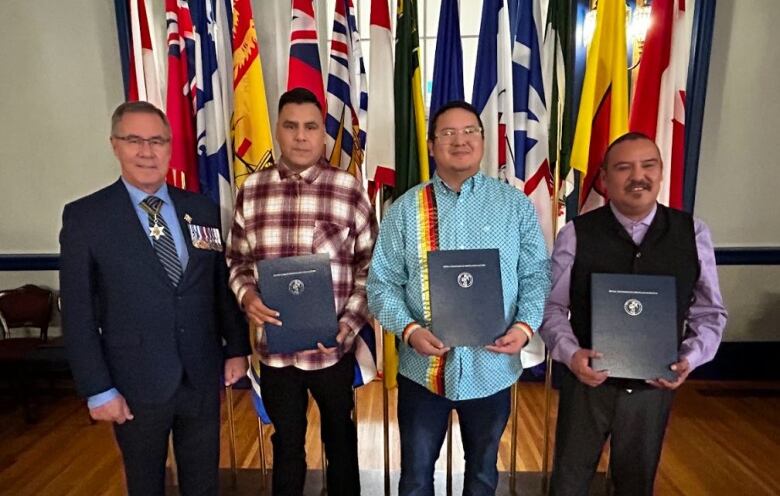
<point x="422" y="421"/>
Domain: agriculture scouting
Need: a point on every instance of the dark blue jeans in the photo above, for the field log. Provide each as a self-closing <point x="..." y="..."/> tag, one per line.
<point x="422" y="421"/>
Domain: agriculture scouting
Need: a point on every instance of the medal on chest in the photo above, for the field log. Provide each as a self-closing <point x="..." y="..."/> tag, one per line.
<point x="156" y="230"/>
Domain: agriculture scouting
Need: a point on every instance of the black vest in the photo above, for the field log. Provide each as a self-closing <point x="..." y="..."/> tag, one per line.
<point x="604" y="246"/>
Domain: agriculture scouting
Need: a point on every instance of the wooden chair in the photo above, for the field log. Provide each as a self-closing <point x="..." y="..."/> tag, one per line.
<point x="27" y="306"/>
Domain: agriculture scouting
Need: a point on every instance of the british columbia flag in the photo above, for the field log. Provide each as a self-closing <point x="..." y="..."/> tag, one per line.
<point x="347" y="98"/>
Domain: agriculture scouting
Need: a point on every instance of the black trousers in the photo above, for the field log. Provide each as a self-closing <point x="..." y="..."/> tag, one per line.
<point x="285" y="395"/>
<point x="193" y="417"/>
<point x="635" y="418"/>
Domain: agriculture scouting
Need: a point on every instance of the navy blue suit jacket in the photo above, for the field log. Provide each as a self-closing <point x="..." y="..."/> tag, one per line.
<point x="125" y="324"/>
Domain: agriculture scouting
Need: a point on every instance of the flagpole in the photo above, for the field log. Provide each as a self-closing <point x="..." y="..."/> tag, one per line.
<point x="548" y="359"/>
<point x="232" y="438"/>
<point x="386" y="432"/>
<point x="513" y="444"/>
<point x="379" y="201"/>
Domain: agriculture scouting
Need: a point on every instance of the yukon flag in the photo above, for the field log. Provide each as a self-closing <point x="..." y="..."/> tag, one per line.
<point x="144" y="69"/>
<point x="347" y="97"/>
<point x="493" y="91"/>
<point x="213" y="165"/>
<point x="658" y="109"/>
<point x="250" y="127"/>
<point x="380" y="153"/>
<point x="603" y="114"/>
<point x="304" y="69"/>
<point x="183" y="171"/>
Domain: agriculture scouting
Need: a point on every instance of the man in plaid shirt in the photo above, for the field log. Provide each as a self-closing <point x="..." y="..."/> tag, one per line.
<point x="301" y="206"/>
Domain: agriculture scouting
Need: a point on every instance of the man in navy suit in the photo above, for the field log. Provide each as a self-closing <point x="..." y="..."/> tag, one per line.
<point x="150" y="324"/>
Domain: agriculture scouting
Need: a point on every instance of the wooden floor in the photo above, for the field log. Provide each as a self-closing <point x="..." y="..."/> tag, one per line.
<point x="723" y="438"/>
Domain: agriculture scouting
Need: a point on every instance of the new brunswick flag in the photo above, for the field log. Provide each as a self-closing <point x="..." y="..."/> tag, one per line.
<point x="250" y="126"/>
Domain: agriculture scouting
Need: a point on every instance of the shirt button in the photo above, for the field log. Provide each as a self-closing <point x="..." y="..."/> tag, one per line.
<point x="639" y="254"/>
<point x="181" y="330"/>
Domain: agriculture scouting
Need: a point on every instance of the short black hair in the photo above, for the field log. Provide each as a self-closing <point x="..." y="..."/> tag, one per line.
<point x="454" y="104"/>
<point x="298" y="96"/>
<point x="137" y="107"/>
<point x="629" y="136"/>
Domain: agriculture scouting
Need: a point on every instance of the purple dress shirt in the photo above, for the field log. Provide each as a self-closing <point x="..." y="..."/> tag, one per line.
<point x="706" y="317"/>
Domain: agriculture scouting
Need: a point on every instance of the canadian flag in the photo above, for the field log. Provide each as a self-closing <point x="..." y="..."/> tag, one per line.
<point x="658" y="108"/>
<point x="144" y="66"/>
<point x="380" y="151"/>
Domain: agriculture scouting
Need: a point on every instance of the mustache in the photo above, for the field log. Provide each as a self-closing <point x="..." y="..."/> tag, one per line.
<point x="638" y="184"/>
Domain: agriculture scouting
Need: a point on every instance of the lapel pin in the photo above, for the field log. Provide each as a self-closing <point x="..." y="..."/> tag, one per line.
<point x="187" y="218"/>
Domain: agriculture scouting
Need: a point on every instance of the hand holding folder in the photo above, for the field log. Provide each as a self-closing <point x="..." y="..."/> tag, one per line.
<point x="633" y="323"/>
<point x="300" y="289"/>
<point x="467" y="302"/>
<point x="257" y="312"/>
<point x="426" y="344"/>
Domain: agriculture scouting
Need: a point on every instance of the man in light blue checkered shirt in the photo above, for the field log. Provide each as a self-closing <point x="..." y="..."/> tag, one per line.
<point x="462" y="209"/>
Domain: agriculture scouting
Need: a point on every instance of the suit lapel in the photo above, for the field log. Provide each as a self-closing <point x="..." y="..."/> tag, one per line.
<point x="129" y="230"/>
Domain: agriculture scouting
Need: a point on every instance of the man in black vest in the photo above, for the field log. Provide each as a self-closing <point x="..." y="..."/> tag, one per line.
<point x="632" y="234"/>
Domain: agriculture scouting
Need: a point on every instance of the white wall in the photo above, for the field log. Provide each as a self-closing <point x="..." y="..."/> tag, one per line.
<point x="739" y="164"/>
<point x="739" y="174"/>
<point x="59" y="83"/>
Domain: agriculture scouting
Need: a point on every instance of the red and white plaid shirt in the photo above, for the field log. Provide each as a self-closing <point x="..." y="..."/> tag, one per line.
<point x="280" y="213"/>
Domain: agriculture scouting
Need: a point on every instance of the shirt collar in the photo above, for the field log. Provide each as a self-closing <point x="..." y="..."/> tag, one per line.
<point x="309" y="175"/>
<point x="137" y="195"/>
<point x="469" y="185"/>
<point x="628" y="223"/>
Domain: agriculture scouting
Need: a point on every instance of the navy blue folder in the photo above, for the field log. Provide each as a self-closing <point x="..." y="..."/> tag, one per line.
<point x="301" y="290"/>
<point x="634" y="325"/>
<point x="467" y="303"/>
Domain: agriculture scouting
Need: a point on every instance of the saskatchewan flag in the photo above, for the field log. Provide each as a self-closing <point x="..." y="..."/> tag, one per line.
<point x="411" y="154"/>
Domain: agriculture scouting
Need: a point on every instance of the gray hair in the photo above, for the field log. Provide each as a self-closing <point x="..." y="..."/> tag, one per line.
<point x="137" y="108"/>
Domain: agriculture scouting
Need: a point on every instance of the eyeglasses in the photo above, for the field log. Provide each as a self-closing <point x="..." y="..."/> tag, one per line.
<point x="447" y="135"/>
<point x="155" y="142"/>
